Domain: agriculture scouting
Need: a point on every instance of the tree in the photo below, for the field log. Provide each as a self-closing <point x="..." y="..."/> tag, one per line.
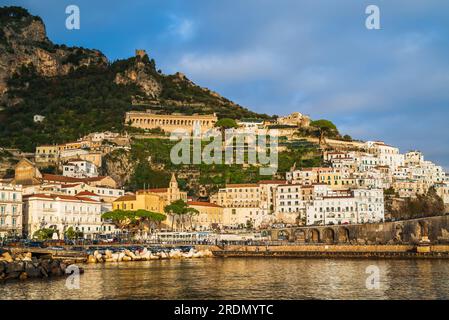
<point x="225" y="123"/>
<point x="44" y="233"/>
<point x="324" y="128"/>
<point x="70" y="233"/>
<point x="134" y="220"/>
<point x="180" y="209"/>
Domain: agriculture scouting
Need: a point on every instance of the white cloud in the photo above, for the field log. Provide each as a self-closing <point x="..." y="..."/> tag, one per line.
<point x="181" y="27"/>
<point x="229" y="66"/>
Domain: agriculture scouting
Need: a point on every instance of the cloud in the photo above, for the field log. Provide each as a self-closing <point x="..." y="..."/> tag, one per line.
<point x="312" y="56"/>
<point x="181" y="28"/>
<point x="238" y="66"/>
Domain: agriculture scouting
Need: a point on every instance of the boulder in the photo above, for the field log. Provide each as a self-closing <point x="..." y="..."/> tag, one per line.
<point x="7" y="257"/>
<point x="108" y="254"/>
<point x="12" y="275"/>
<point x="16" y="266"/>
<point x="32" y="271"/>
<point x="27" y="257"/>
<point x="56" y="271"/>
<point x="43" y="271"/>
<point x="91" y="259"/>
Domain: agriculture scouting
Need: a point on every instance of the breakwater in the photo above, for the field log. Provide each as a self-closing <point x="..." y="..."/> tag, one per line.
<point x="146" y="254"/>
<point x="24" y="265"/>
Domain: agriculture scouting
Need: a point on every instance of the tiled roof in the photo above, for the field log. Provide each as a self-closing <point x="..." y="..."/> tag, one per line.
<point x="54" y="177"/>
<point x="203" y="203"/>
<point x="272" y="182"/>
<point x="86" y="193"/>
<point x="59" y="196"/>
<point x="126" y="197"/>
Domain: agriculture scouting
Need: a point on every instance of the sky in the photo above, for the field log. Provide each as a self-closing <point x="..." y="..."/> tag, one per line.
<point x="280" y="56"/>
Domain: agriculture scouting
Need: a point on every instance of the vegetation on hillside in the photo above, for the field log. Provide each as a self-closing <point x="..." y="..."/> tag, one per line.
<point x="424" y="205"/>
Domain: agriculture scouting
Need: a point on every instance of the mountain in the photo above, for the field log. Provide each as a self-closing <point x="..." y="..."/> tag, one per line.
<point x="79" y="91"/>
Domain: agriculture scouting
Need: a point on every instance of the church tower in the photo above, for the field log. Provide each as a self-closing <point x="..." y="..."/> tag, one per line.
<point x="173" y="182"/>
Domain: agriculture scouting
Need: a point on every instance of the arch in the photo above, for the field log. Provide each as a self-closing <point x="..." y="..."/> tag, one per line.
<point x="264" y="233"/>
<point x="314" y="236"/>
<point x="283" y="235"/>
<point x="300" y="235"/>
<point x="397" y="237"/>
<point x="424" y="228"/>
<point x="328" y="235"/>
<point x="343" y="234"/>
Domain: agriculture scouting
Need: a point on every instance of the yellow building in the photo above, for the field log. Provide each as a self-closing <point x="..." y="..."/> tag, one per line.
<point x="169" y="123"/>
<point x="210" y="215"/>
<point x="26" y="173"/>
<point x="47" y="153"/>
<point x="151" y="199"/>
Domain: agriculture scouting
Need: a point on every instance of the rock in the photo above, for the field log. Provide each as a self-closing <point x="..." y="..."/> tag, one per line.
<point x="63" y="266"/>
<point x="56" y="271"/>
<point x="32" y="271"/>
<point x="12" y="275"/>
<point x="127" y="258"/>
<point x="16" y="266"/>
<point x="7" y="257"/>
<point x="23" y="276"/>
<point x="108" y="254"/>
<point x="91" y="259"/>
<point x="43" y="271"/>
<point x="27" y="257"/>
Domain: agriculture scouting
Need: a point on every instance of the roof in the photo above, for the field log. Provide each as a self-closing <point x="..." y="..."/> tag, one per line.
<point x="242" y="185"/>
<point x="155" y="190"/>
<point x="203" y="203"/>
<point x="272" y="182"/>
<point x="69" y="185"/>
<point x="126" y="197"/>
<point x="86" y="193"/>
<point x="54" y="177"/>
<point x="59" y="196"/>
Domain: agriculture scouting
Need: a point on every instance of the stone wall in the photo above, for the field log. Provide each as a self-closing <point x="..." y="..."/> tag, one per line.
<point x="407" y="232"/>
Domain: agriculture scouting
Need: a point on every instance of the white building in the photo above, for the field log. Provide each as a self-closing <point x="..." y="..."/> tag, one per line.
<point x="104" y="193"/>
<point x="38" y="118"/>
<point x="243" y="204"/>
<point x="60" y="212"/>
<point x="356" y="206"/>
<point x="10" y="210"/>
<point x="388" y="155"/>
<point x="80" y="169"/>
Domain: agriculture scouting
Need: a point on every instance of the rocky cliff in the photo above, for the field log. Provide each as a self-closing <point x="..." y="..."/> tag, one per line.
<point x="23" y="42"/>
<point x="79" y="91"/>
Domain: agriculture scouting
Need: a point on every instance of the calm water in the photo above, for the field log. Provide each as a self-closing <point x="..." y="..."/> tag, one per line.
<point x="245" y="278"/>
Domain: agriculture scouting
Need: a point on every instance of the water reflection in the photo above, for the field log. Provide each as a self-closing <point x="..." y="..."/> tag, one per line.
<point x="246" y="278"/>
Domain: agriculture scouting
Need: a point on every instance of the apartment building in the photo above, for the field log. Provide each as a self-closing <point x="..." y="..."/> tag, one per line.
<point x="10" y="210"/>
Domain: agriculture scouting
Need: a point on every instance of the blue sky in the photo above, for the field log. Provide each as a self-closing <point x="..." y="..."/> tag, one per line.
<point x="281" y="56"/>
